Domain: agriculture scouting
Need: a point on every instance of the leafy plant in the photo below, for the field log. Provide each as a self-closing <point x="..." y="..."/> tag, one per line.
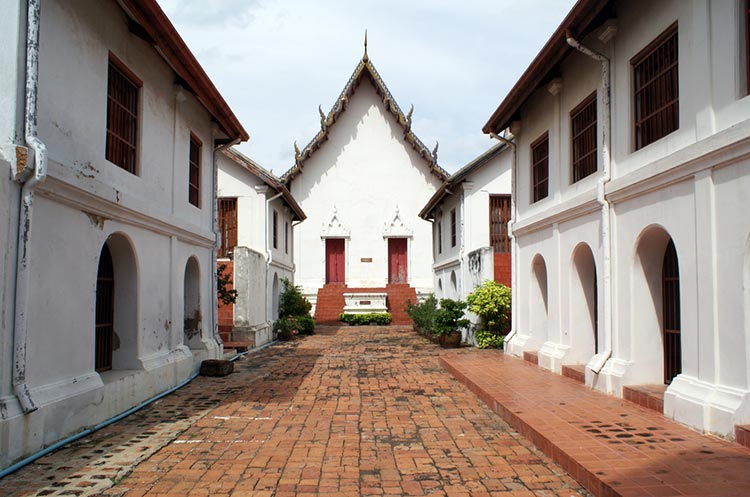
<point x="225" y="294"/>
<point x="423" y="315"/>
<point x="449" y="317"/>
<point x="491" y="302"/>
<point x="306" y="324"/>
<point x="375" y="318"/>
<point x="488" y="339"/>
<point x="291" y="301"/>
<point x="286" y="327"/>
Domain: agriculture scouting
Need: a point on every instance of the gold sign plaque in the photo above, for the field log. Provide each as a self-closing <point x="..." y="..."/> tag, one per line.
<point x="366" y="259"/>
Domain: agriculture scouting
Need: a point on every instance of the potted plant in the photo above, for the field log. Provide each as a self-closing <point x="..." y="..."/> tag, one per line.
<point x="491" y="302"/>
<point x="449" y="320"/>
<point x="423" y="315"/>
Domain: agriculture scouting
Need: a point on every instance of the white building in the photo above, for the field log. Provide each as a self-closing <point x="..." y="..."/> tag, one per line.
<point x="108" y="274"/>
<point x="257" y="215"/>
<point x="633" y="250"/>
<point x="362" y="181"/>
<point x="470" y="214"/>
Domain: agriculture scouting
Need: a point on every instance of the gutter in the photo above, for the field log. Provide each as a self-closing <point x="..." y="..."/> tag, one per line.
<point x="217" y="238"/>
<point x="30" y="177"/>
<point x="599" y="361"/>
<point x="514" y="245"/>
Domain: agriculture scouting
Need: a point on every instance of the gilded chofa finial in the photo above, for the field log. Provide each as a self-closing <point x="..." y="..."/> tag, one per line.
<point x="365" y="58"/>
<point x="296" y="151"/>
<point x="434" y="151"/>
<point x="322" y="117"/>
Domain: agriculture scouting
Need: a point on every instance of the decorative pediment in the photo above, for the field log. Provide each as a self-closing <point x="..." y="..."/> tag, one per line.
<point x="334" y="228"/>
<point x="396" y="226"/>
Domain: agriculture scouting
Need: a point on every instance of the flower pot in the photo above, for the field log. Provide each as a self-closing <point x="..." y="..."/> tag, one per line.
<point x="451" y="340"/>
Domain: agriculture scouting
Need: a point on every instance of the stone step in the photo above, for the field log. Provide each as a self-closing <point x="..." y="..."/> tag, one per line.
<point x="575" y="372"/>
<point x="648" y="396"/>
<point x="742" y="435"/>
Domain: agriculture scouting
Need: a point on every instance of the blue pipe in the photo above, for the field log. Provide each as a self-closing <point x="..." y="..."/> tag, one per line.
<point x="88" y="431"/>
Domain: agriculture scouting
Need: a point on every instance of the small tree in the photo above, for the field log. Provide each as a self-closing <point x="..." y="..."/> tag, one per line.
<point x="450" y="317"/>
<point x="491" y="302"/>
<point x="292" y="302"/>
<point x="225" y="294"/>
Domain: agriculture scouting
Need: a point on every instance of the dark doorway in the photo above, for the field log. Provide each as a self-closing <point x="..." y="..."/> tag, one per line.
<point x="670" y="277"/>
<point x="105" y="312"/>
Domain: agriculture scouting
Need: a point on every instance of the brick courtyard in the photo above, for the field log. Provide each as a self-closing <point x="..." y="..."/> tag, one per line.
<point x="349" y="411"/>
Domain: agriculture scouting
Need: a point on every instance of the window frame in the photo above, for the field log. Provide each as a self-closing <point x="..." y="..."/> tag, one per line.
<point x="454" y="235"/>
<point x="194" y="140"/>
<point x="225" y="249"/>
<point x="578" y="111"/>
<point x="440" y="234"/>
<point x="640" y="58"/>
<point x="128" y="76"/>
<point x="535" y="183"/>
<point x="275" y="224"/>
<point x="503" y="237"/>
<point x="286" y="237"/>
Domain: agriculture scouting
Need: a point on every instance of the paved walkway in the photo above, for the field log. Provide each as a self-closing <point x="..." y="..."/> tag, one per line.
<point x="612" y="446"/>
<point x="347" y="412"/>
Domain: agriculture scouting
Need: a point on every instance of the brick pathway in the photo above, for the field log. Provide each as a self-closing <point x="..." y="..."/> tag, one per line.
<point x="612" y="446"/>
<point x="350" y="411"/>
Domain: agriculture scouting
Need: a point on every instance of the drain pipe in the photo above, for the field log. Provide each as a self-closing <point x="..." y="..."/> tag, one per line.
<point x="26" y="211"/>
<point x="514" y="246"/>
<point x="217" y="238"/>
<point x="606" y="158"/>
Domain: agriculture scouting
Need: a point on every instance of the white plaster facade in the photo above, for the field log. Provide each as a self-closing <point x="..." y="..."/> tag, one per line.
<point x="460" y="268"/>
<point x="689" y="186"/>
<point x="365" y="183"/>
<point x="161" y="245"/>
<point x="259" y="265"/>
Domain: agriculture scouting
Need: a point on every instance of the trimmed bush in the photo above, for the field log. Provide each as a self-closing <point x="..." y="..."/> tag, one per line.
<point x="374" y="318"/>
<point x="306" y="324"/>
<point x="450" y="317"/>
<point x="423" y="315"/>
<point x="491" y="302"/>
<point x="488" y="340"/>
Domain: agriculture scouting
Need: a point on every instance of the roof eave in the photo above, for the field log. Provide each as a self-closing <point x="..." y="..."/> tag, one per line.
<point x="578" y="20"/>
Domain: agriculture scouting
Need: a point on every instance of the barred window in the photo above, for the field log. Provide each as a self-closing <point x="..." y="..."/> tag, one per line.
<point x="275" y="229"/>
<point x="194" y="181"/>
<point x="656" y="89"/>
<point x="122" y="116"/>
<point x="286" y="237"/>
<point x="227" y="225"/>
<point x="540" y="168"/>
<point x="453" y="227"/>
<point x="499" y="218"/>
<point x="440" y="234"/>
<point x="746" y="16"/>
<point x="583" y="137"/>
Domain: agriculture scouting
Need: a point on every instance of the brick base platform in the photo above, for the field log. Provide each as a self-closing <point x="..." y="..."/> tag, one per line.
<point x="575" y="372"/>
<point x="611" y="446"/>
<point x="330" y="302"/>
<point x="648" y="396"/>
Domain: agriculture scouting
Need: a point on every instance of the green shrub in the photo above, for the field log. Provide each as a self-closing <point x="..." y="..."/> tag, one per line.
<point x="306" y="324"/>
<point x="286" y="327"/>
<point x="488" y="340"/>
<point x="491" y="302"/>
<point x="423" y="315"/>
<point x="292" y="302"/>
<point x="374" y="318"/>
<point x="449" y="317"/>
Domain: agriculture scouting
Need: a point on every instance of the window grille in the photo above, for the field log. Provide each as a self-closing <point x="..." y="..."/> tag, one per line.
<point x="227" y="226"/>
<point x="275" y="229"/>
<point x="286" y="237"/>
<point x="540" y="168"/>
<point x="105" y="312"/>
<point x="583" y="134"/>
<point x="440" y="234"/>
<point x="671" y="311"/>
<point x="453" y="227"/>
<point x="194" y="181"/>
<point x="656" y="89"/>
<point x="499" y="218"/>
<point x="122" y="118"/>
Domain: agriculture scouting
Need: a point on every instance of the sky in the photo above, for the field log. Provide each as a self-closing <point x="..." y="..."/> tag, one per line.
<point x="276" y="61"/>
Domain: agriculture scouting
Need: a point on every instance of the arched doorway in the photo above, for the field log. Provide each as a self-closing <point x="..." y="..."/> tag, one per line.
<point x="192" y="318"/>
<point x="538" y="309"/>
<point x="670" y="278"/>
<point x="275" y="297"/>
<point x="116" y="313"/>
<point x="584" y="303"/>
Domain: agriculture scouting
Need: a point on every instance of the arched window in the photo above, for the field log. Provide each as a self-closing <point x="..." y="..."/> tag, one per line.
<point x="192" y="303"/>
<point x="105" y="312"/>
<point x="670" y="277"/>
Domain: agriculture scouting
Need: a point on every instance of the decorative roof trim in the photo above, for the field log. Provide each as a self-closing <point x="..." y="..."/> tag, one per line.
<point x="364" y="68"/>
<point x="266" y="177"/>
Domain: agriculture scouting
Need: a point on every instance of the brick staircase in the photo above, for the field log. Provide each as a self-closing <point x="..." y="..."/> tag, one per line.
<point x="330" y="302"/>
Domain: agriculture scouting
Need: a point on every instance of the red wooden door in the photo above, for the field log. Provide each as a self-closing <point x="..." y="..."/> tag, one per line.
<point x="335" y="260"/>
<point x="397" y="261"/>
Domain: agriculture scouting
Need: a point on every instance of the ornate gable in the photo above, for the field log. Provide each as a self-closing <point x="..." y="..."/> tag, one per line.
<point x="365" y="68"/>
<point x="396" y="226"/>
<point x="334" y="228"/>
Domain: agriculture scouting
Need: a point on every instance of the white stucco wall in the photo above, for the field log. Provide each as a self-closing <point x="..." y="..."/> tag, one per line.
<point x="688" y="186"/>
<point x="365" y="170"/>
<point x="86" y="202"/>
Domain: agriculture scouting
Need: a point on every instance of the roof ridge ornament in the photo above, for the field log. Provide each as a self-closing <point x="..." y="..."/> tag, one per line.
<point x="296" y="152"/>
<point x="434" y="151"/>
<point x="365" y="57"/>
<point x="323" y="120"/>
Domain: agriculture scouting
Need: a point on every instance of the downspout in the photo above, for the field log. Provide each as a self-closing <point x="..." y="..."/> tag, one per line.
<point x="597" y="366"/>
<point x="514" y="244"/>
<point x="26" y="210"/>
<point x="217" y="237"/>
